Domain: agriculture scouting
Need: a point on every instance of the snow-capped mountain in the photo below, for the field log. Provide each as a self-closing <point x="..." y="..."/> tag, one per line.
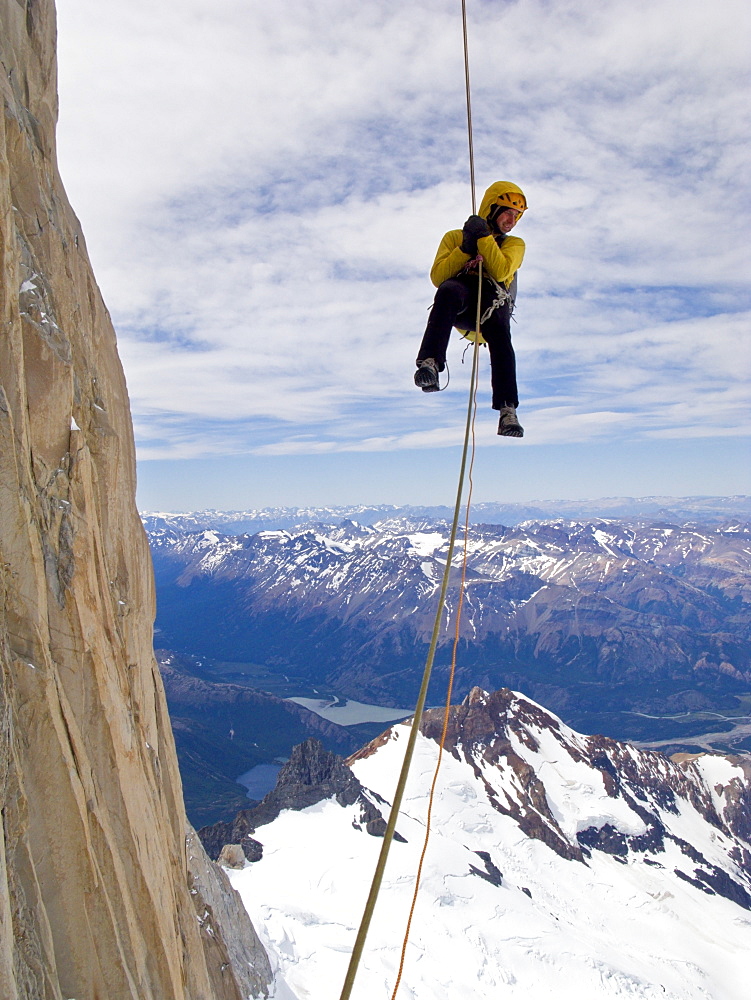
<point x="589" y="616"/>
<point x="559" y="865"/>
<point x="705" y="510"/>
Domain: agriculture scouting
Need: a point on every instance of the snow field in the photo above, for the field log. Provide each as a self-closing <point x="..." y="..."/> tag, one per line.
<point x="601" y="930"/>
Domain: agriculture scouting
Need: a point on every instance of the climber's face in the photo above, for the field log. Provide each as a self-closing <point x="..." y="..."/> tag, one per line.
<point x="507" y="219"/>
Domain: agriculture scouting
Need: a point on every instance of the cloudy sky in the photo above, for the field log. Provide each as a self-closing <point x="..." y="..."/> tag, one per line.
<point x="263" y="188"/>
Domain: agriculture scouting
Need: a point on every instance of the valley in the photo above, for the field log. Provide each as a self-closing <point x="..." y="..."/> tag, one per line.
<point x="719" y="733"/>
<point x="233" y="732"/>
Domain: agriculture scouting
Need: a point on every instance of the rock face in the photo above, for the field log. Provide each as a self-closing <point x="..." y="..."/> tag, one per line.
<point x="95" y="896"/>
<point x="237" y="959"/>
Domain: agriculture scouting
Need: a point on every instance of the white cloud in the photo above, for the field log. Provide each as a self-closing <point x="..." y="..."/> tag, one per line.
<point x="263" y="188"/>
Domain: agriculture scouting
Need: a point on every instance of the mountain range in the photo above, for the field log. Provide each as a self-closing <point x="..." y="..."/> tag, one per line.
<point x="701" y="510"/>
<point x="558" y="865"/>
<point x="636" y="628"/>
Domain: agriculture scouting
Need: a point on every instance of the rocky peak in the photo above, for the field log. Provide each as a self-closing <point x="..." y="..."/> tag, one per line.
<point x="503" y="733"/>
<point x="311" y="775"/>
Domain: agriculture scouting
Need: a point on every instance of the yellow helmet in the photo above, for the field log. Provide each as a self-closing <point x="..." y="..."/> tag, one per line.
<point x="502" y="194"/>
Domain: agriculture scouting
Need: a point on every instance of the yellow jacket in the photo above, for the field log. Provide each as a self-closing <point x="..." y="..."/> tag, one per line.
<point x="501" y="263"/>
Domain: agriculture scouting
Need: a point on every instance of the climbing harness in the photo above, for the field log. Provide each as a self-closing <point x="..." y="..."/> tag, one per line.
<point x="502" y="295"/>
<point x="469" y="437"/>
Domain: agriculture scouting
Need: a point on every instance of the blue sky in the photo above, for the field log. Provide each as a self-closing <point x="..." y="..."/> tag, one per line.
<point x="263" y="188"/>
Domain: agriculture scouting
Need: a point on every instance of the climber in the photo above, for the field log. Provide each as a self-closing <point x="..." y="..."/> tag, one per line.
<point x="484" y="236"/>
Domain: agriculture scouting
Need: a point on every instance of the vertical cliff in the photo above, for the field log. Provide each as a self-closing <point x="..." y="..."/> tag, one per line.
<point x="96" y="899"/>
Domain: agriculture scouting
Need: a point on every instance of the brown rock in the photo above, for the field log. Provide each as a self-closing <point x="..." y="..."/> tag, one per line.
<point x="231" y="856"/>
<point x="94" y="894"/>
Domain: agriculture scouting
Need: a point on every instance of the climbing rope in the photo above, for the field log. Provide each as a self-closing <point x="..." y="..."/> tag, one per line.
<point x="465" y="36"/>
<point x="469" y="434"/>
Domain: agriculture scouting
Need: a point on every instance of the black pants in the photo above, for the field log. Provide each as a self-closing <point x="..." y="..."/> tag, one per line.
<point x="456" y="302"/>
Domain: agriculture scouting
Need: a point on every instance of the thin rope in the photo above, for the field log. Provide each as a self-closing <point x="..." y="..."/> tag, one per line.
<point x="423" y="693"/>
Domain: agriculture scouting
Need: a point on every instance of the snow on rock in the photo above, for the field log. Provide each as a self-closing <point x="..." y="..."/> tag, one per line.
<point x="426" y="542"/>
<point x="559" y="866"/>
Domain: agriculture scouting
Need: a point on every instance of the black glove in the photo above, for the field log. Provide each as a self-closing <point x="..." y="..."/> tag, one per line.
<point x="474" y="229"/>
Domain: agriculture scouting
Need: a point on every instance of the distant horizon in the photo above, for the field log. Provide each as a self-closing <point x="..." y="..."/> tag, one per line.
<point x="478" y="503"/>
<point x="503" y="472"/>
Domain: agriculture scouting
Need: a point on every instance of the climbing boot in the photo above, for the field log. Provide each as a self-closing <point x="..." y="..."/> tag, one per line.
<point x="508" y="425"/>
<point x="426" y="376"/>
